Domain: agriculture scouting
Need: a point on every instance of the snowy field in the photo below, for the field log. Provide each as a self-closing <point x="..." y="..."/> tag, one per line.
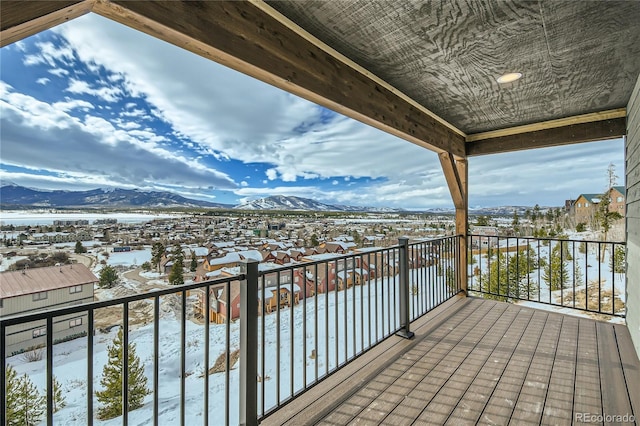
<point x="346" y="322"/>
<point x="130" y="258"/>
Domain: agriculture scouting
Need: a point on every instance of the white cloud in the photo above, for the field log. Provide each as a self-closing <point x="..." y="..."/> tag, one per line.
<point x="50" y="54"/>
<point x="91" y="146"/>
<point x="43" y="81"/>
<point x="58" y="72"/>
<point x="107" y="94"/>
<point x="71" y="104"/>
<point x="272" y="174"/>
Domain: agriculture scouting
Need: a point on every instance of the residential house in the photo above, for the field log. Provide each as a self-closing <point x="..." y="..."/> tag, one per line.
<point x="230" y="260"/>
<point x="38" y="289"/>
<point x="585" y="206"/>
<point x="618" y="198"/>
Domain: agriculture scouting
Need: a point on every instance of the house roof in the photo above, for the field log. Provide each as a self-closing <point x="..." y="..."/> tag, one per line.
<point x="29" y="281"/>
<point x="592" y="198"/>
<point x="620" y="189"/>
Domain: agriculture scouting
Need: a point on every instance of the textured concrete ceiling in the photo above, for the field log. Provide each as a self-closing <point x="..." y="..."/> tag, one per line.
<point x="577" y="56"/>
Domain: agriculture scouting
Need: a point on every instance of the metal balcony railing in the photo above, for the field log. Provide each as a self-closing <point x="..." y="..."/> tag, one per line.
<point x="288" y="328"/>
<point x="584" y="275"/>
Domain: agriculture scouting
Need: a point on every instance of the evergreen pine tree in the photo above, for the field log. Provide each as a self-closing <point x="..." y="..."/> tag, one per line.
<point x="555" y="273"/>
<point x="59" y="401"/>
<point x="577" y="275"/>
<point x="11" y="383"/>
<point x="157" y="251"/>
<point x="507" y="277"/>
<point x="108" y="277"/>
<point x="25" y="405"/>
<point x="175" y="276"/>
<point x="194" y="262"/>
<point x="79" y="248"/>
<point x="617" y="260"/>
<point x="111" y="395"/>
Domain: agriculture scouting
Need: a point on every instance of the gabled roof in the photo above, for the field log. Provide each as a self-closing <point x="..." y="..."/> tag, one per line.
<point x="29" y="281"/>
<point x="620" y="189"/>
<point x="592" y="198"/>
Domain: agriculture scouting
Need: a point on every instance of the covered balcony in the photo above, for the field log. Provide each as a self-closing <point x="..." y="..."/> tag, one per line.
<point x="415" y="344"/>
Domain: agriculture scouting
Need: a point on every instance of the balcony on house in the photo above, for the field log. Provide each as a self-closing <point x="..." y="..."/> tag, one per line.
<point x="416" y="339"/>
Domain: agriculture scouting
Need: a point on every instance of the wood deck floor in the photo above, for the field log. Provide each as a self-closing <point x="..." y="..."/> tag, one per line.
<point x="476" y="361"/>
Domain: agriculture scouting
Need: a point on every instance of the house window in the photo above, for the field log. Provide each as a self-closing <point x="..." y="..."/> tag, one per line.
<point x="579" y="204"/>
<point x="75" y="322"/>
<point x="586" y="204"/>
<point x="75" y="289"/>
<point x="38" y="332"/>
<point x="619" y="199"/>
<point x="41" y="295"/>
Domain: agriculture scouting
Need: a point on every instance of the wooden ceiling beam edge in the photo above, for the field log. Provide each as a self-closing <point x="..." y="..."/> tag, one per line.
<point x="320" y="44"/>
<point x="242" y="36"/>
<point x="21" y="19"/>
<point x="569" y="134"/>
<point x="560" y="122"/>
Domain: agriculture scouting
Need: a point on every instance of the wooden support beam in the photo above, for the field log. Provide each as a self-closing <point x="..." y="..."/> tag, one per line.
<point x="21" y="19"/>
<point x="253" y="38"/>
<point x="456" y="175"/>
<point x="609" y="128"/>
<point x="453" y="179"/>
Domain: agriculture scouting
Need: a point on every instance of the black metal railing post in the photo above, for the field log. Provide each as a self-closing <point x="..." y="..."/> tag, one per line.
<point x="249" y="344"/>
<point x="404" y="289"/>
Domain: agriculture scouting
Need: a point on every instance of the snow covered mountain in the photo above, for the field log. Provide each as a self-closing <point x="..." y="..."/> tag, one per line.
<point x="284" y="202"/>
<point x="18" y="196"/>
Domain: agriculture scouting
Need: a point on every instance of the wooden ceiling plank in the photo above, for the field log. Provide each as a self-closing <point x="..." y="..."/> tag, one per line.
<point x="21" y="19"/>
<point x="566" y="135"/>
<point x="242" y="36"/>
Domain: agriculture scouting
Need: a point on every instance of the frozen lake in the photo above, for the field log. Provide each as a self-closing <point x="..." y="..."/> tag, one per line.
<point x="33" y="218"/>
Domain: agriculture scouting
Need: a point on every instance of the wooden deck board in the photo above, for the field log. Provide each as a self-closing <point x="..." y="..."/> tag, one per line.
<point x="473" y="402"/>
<point x="587" y="397"/>
<point x="476" y="361"/>
<point x="630" y="366"/>
<point x="615" y="398"/>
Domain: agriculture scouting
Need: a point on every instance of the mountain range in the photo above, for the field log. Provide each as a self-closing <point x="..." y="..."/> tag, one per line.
<point x="13" y="196"/>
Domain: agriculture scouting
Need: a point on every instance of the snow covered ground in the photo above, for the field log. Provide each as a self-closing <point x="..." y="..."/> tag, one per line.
<point x="130" y="258"/>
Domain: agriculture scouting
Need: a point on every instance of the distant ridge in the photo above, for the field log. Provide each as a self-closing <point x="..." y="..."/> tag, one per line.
<point x="286" y="202"/>
<point x="12" y="196"/>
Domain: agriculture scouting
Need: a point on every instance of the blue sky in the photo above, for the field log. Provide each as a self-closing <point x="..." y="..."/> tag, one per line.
<point x="93" y="104"/>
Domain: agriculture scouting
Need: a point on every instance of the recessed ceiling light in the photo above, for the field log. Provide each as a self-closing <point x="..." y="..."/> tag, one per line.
<point x="509" y="77"/>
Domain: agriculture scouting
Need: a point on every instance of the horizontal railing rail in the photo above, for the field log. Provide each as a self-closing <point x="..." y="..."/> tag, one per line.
<point x="578" y="274"/>
<point x="286" y="327"/>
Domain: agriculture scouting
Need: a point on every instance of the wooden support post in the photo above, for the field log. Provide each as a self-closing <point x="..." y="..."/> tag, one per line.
<point x="456" y="174"/>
